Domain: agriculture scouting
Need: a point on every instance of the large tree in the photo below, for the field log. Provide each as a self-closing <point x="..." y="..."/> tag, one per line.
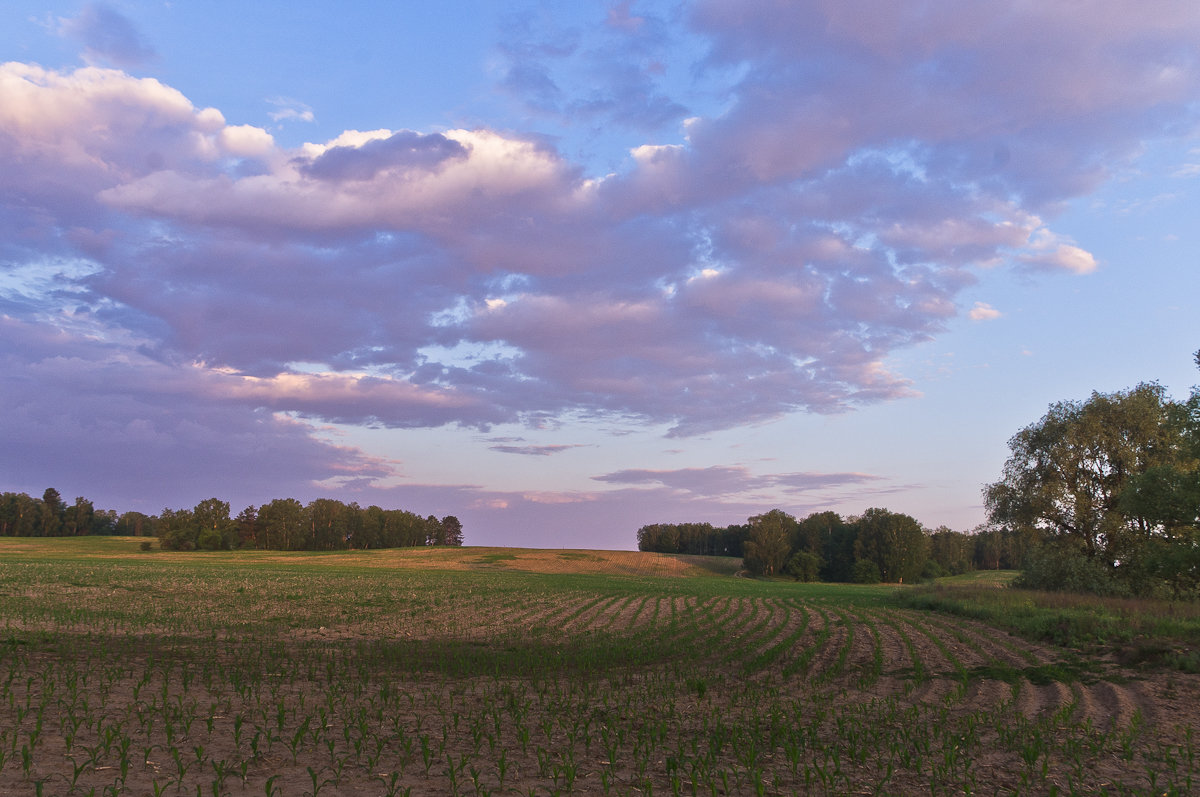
<point x="19" y="515"/>
<point x="770" y="542"/>
<point x="281" y="524"/>
<point x="951" y="550"/>
<point x="177" y="530"/>
<point x="53" y="512"/>
<point x="452" y="531"/>
<point x="831" y="538"/>
<point x="214" y="529"/>
<point x="895" y="542"/>
<point x="1105" y="476"/>
<point x="78" y="519"/>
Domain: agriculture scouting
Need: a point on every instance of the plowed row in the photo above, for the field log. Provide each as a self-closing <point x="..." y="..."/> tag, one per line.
<point x="265" y="682"/>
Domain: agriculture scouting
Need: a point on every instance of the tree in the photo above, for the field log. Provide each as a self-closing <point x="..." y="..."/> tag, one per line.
<point x="402" y="529"/>
<point x="54" y="510"/>
<point x="767" y="549"/>
<point x="177" y="530"/>
<point x="327" y="525"/>
<point x="951" y="550"/>
<point x="896" y="543"/>
<point x="433" y="530"/>
<point x="370" y="533"/>
<point x="281" y="524"/>
<point x="828" y="536"/>
<point x="866" y="571"/>
<point x="104" y="521"/>
<point x="803" y="566"/>
<point x="135" y="524"/>
<point x="691" y="538"/>
<point x="659" y="538"/>
<point x="19" y="515"/>
<point x="246" y="524"/>
<point x="452" y="531"/>
<point x="1168" y="494"/>
<point x="1068" y="473"/>
<point x="214" y="529"/>
<point x="77" y="519"/>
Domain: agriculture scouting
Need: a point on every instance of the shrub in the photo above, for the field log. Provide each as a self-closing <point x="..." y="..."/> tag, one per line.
<point x="933" y="570"/>
<point x="803" y="566"/>
<point x="211" y="540"/>
<point x="1059" y="568"/>
<point x="866" y="572"/>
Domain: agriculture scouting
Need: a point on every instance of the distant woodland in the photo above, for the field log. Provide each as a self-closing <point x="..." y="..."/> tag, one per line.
<point x="283" y="524"/>
<point x="878" y="545"/>
<point x="1099" y="496"/>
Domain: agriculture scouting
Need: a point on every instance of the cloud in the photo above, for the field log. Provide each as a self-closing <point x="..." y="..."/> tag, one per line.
<point x="400" y="151"/>
<point x="723" y="480"/>
<point x="1050" y="252"/>
<point x="287" y="109"/>
<point x="93" y="417"/>
<point x="982" y="311"/>
<point x="108" y="37"/>
<point x="1039" y="101"/>
<point x="532" y="450"/>
<point x="766" y="257"/>
<point x="607" y="72"/>
<point x="341" y="397"/>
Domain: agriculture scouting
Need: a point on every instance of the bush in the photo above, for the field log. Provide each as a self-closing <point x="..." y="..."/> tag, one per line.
<point x="211" y="540"/>
<point x="866" y="572"/>
<point x="803" y="566"/>
<point x="933" y="570"/>
<point x="1059" y="568"/>
<point x="145" y="546"/>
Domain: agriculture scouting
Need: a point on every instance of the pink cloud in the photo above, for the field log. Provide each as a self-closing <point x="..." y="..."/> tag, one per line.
<point x="531" y="450"/>
<point x="982" y="311"/>
<point x="731" y="480"/>
<point x="1050" y="252"/>
<point x="93" y="418"/>
<point x="758" y="261"/>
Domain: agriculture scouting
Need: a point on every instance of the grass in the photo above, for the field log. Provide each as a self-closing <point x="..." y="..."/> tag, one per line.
<point x="128" y="549"/>
<point x="980" y="578"/>
<point x="1136" y="630"/>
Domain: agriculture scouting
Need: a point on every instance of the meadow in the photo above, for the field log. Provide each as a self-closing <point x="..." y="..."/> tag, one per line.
<point x="504" y="671"/>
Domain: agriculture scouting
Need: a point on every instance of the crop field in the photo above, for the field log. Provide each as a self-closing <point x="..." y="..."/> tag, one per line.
<point x="490" y="671"/>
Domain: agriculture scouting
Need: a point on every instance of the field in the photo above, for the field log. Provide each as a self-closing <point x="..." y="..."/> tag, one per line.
<point x="498" y="671"/>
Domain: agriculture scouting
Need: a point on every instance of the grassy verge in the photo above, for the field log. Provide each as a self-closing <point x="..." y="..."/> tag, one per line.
<point x="1136" y="631"/>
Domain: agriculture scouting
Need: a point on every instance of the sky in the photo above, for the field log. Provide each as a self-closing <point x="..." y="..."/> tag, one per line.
<point x="564" y="270"/>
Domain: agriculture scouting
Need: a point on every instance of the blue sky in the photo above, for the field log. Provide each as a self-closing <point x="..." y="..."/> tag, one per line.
<point x="564" y="271"/>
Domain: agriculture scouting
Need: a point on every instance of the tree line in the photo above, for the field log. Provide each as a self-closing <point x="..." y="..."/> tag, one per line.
<point x="50" y="516"/>
<point x="285" y="524"/>
<point x="1100" y="496"/>
<point x="878" y="545"/>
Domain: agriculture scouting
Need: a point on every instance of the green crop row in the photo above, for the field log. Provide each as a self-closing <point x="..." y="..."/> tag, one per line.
<point x="228" y="677"/>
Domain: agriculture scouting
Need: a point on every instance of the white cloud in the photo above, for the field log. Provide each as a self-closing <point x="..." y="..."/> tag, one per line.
<point x="246" y="141"/>
<point x="1052" y="252"/>
<point x="982" y="311"/>
<point x="287" y="109"/>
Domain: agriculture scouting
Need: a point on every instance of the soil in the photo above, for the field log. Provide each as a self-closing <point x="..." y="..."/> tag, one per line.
<point x="335" y="715"/>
